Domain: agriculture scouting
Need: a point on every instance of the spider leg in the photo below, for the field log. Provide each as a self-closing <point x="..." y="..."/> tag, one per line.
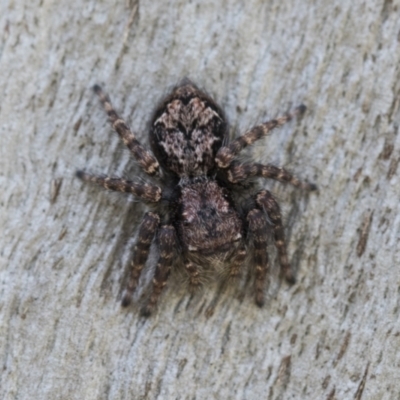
<point x="238" y="172"/>
<point x="167" y="244"/>
<point x="227" y="153"/>
<point x="194" y="275"/>
<point x="147" y="230"/>
<point x="234" y="271"/>
<point x="235" y="268"/>
<point x="145" y="191"/>
<point x="258" y="229"/>
<point x="267" y="202"/>
<point x="145" y="159"/>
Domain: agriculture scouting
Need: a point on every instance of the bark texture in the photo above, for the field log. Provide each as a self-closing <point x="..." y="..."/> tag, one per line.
<point x="64" y="246"/>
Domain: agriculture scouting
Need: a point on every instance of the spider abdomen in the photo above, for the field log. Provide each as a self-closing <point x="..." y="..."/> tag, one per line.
<point x="208" y="222"/>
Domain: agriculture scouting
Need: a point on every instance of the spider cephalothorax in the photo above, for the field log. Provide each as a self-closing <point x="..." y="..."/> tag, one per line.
<point x="197" y="195"/>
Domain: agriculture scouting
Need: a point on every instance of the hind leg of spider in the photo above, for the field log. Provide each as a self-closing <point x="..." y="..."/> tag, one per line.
<point x="267" y="202"/>
<point x="236" y="266"/>
<point x="258" y="230"/>
<point x="167" y="245"/>
<point x="194" y="275"/>
<point x="145" y="159"/>
<point x="233" y="272"/>
<point x="147" y="231"/>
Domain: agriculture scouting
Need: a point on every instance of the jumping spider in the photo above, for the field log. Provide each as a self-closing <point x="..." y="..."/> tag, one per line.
<point x="208" y="216"/>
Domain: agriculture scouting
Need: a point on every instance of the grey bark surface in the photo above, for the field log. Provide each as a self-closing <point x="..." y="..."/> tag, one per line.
<point x="65" y="246"/>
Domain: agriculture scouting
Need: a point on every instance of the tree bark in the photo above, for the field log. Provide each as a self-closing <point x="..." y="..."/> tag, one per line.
<point x="335" y="334"/>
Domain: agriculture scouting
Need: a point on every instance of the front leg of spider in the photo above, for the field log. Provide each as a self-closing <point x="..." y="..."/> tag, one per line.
<point x="145" y="159"/>
<point x="227" y="154"/>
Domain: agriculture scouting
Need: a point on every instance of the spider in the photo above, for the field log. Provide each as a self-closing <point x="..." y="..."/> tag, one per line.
<point x="207" y="214"/>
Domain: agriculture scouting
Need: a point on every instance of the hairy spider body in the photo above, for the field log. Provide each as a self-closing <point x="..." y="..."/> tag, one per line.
<point x="199" y="221"/>
<point x="186" y="133"/>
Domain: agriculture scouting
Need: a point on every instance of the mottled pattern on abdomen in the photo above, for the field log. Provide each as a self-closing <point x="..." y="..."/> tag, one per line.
<point x="207" y="222"/>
